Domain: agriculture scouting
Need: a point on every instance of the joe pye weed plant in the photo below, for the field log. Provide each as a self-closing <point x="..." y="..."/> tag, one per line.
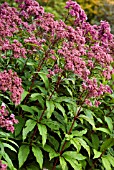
<point x="56" y="84"/>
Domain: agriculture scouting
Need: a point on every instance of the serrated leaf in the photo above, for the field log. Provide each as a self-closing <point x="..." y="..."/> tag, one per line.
<point x="107" y="144"/>
<point x="23" y="154"/>
<point x="103" y="130"/>
<point x="39" y="97"/>
<point x="52" y="153"/>
<point x="11" y="141"/>
<point x="84" y="144"/>
<point x="8" y="160"/>
<point x="79" y="133"/>
<point x="69" y="90"/>
<point x="89" y="119"/>
<point x="54" y="142"/>
<point x="63" y="163"/>
<point x="74" y="163"/>
<point x="109" y="123"/>
<point x="27" y="109"/>
<point x="43" y="133"/>
<point x="106" y="163"/>
<point x="111" y="159"/>
<point x="60" y="118"/>
<point x="76" y="144"/>
<point x="61" y="108"/>
<point x="9" y="146"/>
<point x="34" y="95"/>
<point x="74" y="155"/>
<point x="45" y="79"/>
<point x="30" y="124"/>
<point x="96" y="154"/>
<point x="38" y="155"/>
<point x="50" y="108"/>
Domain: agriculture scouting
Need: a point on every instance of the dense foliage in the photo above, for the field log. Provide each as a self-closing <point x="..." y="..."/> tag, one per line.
<point x="56" y="84"/>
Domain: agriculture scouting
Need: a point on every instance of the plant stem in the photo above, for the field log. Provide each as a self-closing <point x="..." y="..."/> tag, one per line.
<point x="55" y="89"/>
<point x="70" y="130"/>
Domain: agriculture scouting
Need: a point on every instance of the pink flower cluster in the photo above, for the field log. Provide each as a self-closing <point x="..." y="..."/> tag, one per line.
<point x="76" y="11"/>
<point x="73" y="60"/>
<point x="94" y="90"/>
<point x="11" y="82"/>
<point x="3" y="166"/>
<point x="30" y="8"/>
<point x="16" y="47"/>
<point x="35" y="43"/>
<point x="9" y="20"/>
<point x="55" y="70"/>
<point x="7" y="121"/>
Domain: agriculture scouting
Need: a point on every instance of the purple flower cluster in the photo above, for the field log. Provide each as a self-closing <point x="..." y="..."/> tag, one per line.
<point x="76" y="11"/>
<point x="7" y="121"/>
<point x="16" y="47"/>
<point x="3" y="166"/>
<point x="30" y="8"/>
<point x="11" y="82"/>
<point x="73" y="60"/>
<point x="9" y="20"/>
<point x="94" y="90"/>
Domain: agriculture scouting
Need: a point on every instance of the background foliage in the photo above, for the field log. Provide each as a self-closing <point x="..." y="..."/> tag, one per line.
<point x="65" y="113"/>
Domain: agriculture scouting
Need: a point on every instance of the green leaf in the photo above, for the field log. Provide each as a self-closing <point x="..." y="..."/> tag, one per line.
<point x="53" y="141"/>
<point x="69" y="90"/>
<point x="105" y="130"/>
<point x="8" y="160"/>
<point x="19" y="126"/>
<point x="61" y="108"/>
<point x="63" y="163"/>
<point x="109" y="123"/>
<point x="9" y="146"/>
<point x="79" y="133"/>
<point x="74" y="155"/>
<point x="39" y="97"/>
<point x="107" y="144"/>
<point x="95" y="141"/>
<point x="106" y="163"/>
<point x="27" y="109"/>
<point x="89" y="119"/>
<point x="60" y="118"/>
<point x="23" y="154"/>
<point x="43" y="133"/>
<point x="52" y="153"/>
<point x="76" y="144"/>
<point x="38" y="155"/>
<point x="111" y="159"/>
<point x="84" y="144"/>
<point x="30" y="124"/>
<point x="96" y="154"/>
<point x="45" y="79"/>
<point x="24" y="94"/>
<point x="74" y="163"/>
<point x="53" y="125"/>
<point x="50" y="108"/>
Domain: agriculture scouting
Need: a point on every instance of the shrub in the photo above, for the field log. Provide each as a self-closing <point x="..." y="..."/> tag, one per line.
<point x="57" y="79"/>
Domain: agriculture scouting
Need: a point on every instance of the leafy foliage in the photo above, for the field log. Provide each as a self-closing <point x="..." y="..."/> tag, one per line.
<point x="57" y="79"/>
